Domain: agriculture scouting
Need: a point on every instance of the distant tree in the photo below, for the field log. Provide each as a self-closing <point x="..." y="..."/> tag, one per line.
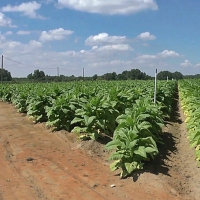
<point x="41" y="74"/>
<point x="30" y="76"/>
<point x="121" y="77"/>
<point x="6" y="75"/>
<point x="164" y="74"/>
<point x="37" y="75"/>
<point x="113" y="76"/>
<point x="126" y="74"/>
<point x="134" y="74"/>
<point x="177" y="75"/>
<point x="95" y="77"/>
<point x="197" y="76"/>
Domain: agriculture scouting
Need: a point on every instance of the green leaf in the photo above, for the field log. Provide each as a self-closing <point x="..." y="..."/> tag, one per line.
<point x="116" y="155"/>
<point x="151" y="150"/>
<point x="76" y="120"/>
<point x="129" y="167"/>
<point x="113" y="144"/>
<point x="78" y="129"/>
<point x="91" y="120"/>
<point x="141" y="151"/>
<point x="114" y="166"/>
<point x="133" y="143"/>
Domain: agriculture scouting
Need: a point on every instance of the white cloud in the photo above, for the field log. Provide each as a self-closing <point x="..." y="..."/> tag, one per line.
<point x="2" y="38"/>
<point x="145" y="58"/>
<point x="104" y="38"/>
<point x="186" y="63"/>
<point x="34" y="43"/>
<point x="13" y="47"/>
<point x="8" y="33"/>
<point x="167" y="53"/>
<point x="146" y="36"/>
<point x="28" y="9"/>
<point x="110" y="6"/>
<point x="115" y="47"/>
<point x="23" y="32"/>
<point x="5" y="21"/>
<point x="164" y="54"/>
<point x="56" y="34"/>
<point x="197" y="65"/>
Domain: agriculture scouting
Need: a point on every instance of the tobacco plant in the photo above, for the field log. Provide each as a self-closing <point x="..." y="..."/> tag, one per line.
<point x="136" y="136"/>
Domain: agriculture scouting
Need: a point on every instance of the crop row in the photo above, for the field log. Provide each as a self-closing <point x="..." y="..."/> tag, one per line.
<point x="190" y="102"/>
<point x="123" y="110"/>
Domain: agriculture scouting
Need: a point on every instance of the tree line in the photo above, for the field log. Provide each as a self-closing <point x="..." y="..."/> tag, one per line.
<point x="133" y="74"/>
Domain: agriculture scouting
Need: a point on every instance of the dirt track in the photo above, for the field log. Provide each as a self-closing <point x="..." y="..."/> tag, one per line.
<point x="38" y="164"/>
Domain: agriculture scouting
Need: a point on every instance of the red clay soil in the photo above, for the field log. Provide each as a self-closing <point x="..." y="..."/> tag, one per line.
<point x="38" y="164"/>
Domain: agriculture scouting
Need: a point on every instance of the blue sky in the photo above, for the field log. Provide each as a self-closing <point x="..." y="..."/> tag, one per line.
<point x="100" y="36"/>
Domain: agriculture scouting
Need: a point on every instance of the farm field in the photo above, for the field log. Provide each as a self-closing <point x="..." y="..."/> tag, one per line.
<point x="60" y="166"/>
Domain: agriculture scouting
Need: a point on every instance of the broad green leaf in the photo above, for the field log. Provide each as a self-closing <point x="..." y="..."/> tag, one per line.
<point x="129" y="167"/>
<point x="114" y="165"/>
<point x="141" y="151"/>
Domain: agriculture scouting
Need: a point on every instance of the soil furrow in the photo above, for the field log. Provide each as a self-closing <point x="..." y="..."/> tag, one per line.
<point x="177" y="162"/>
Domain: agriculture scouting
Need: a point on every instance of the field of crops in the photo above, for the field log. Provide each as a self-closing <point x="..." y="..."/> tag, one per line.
<point x="190" y="101"/>
<point x="123" y="110"/>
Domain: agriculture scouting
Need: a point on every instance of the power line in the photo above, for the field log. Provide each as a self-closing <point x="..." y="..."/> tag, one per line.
<point x="27" y="64"/>
<point x="31" y="66"/>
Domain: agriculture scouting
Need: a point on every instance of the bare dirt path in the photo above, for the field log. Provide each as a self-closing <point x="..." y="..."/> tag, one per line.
<point x="38" y="164"/>
<point x="177" y="164"/>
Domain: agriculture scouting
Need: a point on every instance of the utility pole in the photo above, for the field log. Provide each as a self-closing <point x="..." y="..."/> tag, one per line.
<point x="58" y="71"/>
<point x="83" y="74"/>
<point x="155" y="86"/>
<point x="1" y="69"/>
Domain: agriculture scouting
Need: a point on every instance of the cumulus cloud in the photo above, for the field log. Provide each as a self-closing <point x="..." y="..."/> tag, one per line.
<point x="147" y="57"/>
<point x="56" y="34"/>
<point x="13" y="47"/>
<point x="36" y="44"/>
<point x="115" y="47"/>
<point x="167" y="53"/>
<point x="104" y="38"/>
<point x="8" y="33"/>
<point x="110" y="7"/>
<point x="146" y="36"/>
<point x="164" y="54"/>
<point x="2" y="38"/>
<point x="186" y="63"/>
<point x="5" y="21"/>
<point x="28" y="9"/>
<point x="23" y="32"/>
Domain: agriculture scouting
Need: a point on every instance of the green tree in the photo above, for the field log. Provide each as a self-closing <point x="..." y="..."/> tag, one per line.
<point x="95" y="77"/>
<point x="164" y="74"/>
<point x="37" y="75"/>
<point x="121" y="77"/>
<point x="6" y="75"/>
<point x="177" y="75"/>
<point x="30" y="76"/>
<point x="134" y="74"/>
